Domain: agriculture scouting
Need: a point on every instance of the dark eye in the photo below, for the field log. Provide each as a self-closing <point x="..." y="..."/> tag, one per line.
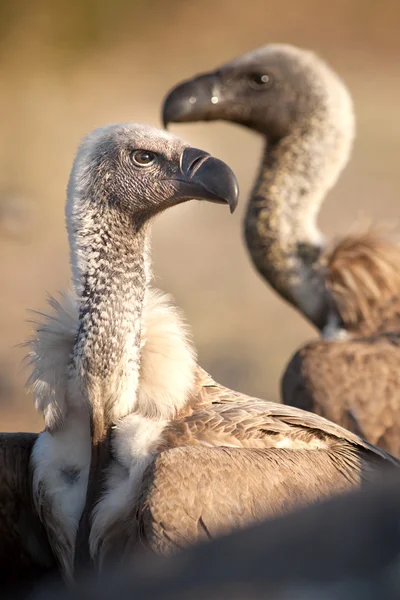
<point x="259" y="80"/>
<point x="143" y="158"/>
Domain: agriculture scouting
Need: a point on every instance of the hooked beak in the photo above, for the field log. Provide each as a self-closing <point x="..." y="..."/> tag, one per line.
<point x="204" y="177"/>
<point x="192" y="100"/>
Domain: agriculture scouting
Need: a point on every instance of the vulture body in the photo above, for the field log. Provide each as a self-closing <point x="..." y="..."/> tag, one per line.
<point x="25" y="553"/>
<point x="350" y="290"/>
<point x="174" y="456"/>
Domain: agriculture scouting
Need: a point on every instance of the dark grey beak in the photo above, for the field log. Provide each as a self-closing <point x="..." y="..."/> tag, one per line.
<point x="204" y="177"/>
<point x="191" y="100"/>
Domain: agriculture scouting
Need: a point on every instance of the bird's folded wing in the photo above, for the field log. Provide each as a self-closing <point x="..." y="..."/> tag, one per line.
<point x="24" y="550"/>
<point x="355" y="384"/>
<point x="234" y="408"/>
<point x="192" y="493"/>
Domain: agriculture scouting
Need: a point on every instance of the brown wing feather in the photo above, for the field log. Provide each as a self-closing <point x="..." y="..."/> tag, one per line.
<point x="234" y="460"/>
<point x="230" y="460"/>
<point x="25" y="554"/>
<point x="354" y="383"/>
<point x="278" y="418"/>
<point x="228" y="488"/>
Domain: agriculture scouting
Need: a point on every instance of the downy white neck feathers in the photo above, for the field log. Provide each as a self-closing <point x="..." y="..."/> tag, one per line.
<point x="167" y="360"/>
<point x="61" y="457"/>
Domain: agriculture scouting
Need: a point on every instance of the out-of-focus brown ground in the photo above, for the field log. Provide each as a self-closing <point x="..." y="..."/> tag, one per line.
<point x="70" y="66"/>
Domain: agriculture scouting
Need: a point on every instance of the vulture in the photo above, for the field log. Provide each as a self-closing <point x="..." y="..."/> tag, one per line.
<point x="349" y="289"/>
<point x="142" y="448"/>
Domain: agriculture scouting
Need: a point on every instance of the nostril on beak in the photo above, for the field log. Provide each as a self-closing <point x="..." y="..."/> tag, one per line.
<point x="196" y="164"/>
<point x="191" y="161"/>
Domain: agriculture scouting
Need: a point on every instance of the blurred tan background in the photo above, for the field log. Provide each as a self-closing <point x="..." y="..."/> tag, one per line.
<point x="71" y="65"/>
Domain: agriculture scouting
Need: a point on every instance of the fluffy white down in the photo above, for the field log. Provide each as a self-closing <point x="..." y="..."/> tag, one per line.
<point x="134" y="443"/>
<point x="167" y="377"/>
<point x="60" y="463"/>
<point x="167" y="360"/>
<point x="49" y="358"/>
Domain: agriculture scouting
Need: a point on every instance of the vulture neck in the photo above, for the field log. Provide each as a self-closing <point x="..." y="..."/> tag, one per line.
<point x="106" y="355"/>
<point x="281" y="223"/>
<point x="111" y="271"/>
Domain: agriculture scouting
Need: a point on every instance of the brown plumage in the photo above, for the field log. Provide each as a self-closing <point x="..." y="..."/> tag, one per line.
<point x="356" y="381"/>
<point x="220" y="461"/>
<point x="25" y="554"/>
<point x="189" y="458"/>
<point x="363" y="275"/>
<point x="233" y="460"/>
<point x="350" y="289"/>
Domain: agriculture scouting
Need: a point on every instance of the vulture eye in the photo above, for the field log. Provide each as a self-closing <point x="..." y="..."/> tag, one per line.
<point x="259" y="80"/>
<point x="143" y="158"/>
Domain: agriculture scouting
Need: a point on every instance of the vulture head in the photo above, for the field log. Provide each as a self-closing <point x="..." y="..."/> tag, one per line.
<point x="270" y="90"/>
<point x="140" y="171"/>
<point x="305" y="113"/>
<point x="122" y="177"/>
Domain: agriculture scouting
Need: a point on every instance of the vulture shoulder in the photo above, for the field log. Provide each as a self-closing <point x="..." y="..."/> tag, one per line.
<point x="25" y="554"/>
<point x="235" y="460"/>
<point x="228" y="488"/>
<point x="355" y="383"/>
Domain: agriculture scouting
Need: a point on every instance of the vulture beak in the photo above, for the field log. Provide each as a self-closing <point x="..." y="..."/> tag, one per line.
<point x="204" y="177"/>
<point x="192" y="100"/>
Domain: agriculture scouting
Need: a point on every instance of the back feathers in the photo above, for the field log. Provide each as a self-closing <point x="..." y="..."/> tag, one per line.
<point x="363" y="274"/>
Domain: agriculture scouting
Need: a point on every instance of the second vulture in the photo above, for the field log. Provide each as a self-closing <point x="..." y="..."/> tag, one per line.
<point x="189" y="458"/>
<point x="350" y="290"/>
